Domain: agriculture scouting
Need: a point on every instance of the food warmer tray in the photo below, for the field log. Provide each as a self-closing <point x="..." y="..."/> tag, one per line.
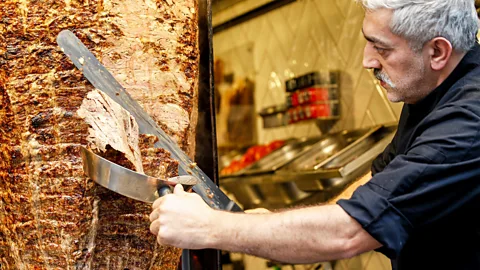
<point x="311" y="172"/>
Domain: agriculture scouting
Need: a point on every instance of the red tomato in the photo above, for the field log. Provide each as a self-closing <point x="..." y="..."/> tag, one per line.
<point x="247" y="159"/>
<point x="235" y="166"/>
<point x="251" y="151"/>
<point x="261" y="152"/>
<point x="275" y="145"/>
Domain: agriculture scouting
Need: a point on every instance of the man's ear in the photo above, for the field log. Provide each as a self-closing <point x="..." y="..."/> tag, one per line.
<point x="440" y="51"/>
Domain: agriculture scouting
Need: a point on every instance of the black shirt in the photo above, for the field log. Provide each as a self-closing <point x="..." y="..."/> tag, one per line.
<point x="423" y="201"/>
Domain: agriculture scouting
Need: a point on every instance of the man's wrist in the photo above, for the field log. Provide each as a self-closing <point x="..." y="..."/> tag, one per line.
<point x="216" y="228"/>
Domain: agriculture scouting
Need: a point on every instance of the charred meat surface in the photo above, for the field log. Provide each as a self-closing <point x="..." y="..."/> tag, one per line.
<point x="51" y="215"/>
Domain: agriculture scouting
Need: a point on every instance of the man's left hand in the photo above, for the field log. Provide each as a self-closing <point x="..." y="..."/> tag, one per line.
<point x="182" y="220"/>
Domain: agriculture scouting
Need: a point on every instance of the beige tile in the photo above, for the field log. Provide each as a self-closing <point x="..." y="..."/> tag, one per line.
<point x="261" y="40"/>
<point x="397" y="108"/>
<point x="333" y="60"/>
<point x="362" y="96"/>
<point x="303" y="129"/>
<point x="338" y="126"/>
<point x="347" y="88"/>
<point x="279" y="62"/>
<point x="357" y="262"/>
<point x="303" y="48"/>
<point x="368" y="120"/>
<point x="354" y="68"/>
<point x="349" y="33"/>
<point x="295" y="14"/>
<point x="252" y="263"/>
<point x="305" y="36"/>
<point x="281" y="30"/>
<point x="251" y="4"/>
<point x="341" y="265"/>
<point x="244" y="58"/>
<point x="248" y="27"/>
<point x="332" y="16"/>
<point x="348" y="119"/>
<point x="380" y="108"/>
<point x="378" y="262"/>
<point x="219" y="42"/>
<point x="278" y="133"/>
<point x="261" y="88"/>
<point x="314" y="131"/>
<point x="261" y="132"/>
<point x="346" y="7"/>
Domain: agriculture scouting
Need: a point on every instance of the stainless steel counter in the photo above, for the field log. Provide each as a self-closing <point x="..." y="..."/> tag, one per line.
<point x="308" y="171"/>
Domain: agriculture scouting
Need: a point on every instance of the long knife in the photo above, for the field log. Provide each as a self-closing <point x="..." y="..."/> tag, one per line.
<point x="129" y="183"/>
<point x="103" y="80"/>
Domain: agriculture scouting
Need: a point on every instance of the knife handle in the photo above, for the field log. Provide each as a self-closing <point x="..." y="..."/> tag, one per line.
<point x="164" y="190"/>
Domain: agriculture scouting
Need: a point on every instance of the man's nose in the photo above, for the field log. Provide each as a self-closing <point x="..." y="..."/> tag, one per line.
<point x="369" y="59"/>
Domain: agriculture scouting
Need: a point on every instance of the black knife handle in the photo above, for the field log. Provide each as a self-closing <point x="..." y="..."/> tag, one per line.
<point x="164" y="190"/>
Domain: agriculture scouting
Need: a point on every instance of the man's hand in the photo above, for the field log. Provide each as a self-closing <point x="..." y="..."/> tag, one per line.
<point x="182" y="220"/>
<point x="258" y="211"/>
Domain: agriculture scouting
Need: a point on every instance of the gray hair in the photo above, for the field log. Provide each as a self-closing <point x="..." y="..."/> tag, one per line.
<point x="419" y="21"/>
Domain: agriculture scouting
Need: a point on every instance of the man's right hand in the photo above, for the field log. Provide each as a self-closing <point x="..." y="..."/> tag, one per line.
<point x="258" y="211"/>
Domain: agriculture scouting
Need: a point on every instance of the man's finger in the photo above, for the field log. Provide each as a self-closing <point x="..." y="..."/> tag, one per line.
<point x="159" y="240"/>
<point x="154" y="227"/>
<point x="156" y="203"/>
<point x="258" y="211"/>
<point x="178" y="189"/>
<point x="154" y="215"/>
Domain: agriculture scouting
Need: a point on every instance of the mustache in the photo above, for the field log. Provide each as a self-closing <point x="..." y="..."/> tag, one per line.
<point x="379" y="75"/>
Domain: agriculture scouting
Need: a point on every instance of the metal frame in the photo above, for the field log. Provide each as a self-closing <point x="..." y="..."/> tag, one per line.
<point x="206" y="141"/>
<point x="261" y="10"/>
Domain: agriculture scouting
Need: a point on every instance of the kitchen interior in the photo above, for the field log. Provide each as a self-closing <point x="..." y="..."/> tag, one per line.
<point x="298" y="117"/>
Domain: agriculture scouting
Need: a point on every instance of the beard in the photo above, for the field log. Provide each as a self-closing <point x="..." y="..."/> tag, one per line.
<point x="408" y="89"/>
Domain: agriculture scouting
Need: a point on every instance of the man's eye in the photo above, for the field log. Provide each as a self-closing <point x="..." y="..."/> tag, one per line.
<point x="380" y="50"/>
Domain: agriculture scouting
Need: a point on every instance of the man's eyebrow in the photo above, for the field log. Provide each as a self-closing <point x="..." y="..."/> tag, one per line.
<point x="375" y="40"/>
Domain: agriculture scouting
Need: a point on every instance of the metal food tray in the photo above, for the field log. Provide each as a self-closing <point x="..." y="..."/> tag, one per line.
<point x="263" y="190"/>
<point x="280" y="157"/>
<point x="328" y="146"/>
<point x="351" y="162"/>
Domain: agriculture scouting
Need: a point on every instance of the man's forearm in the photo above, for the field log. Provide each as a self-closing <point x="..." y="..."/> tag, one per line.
<point x="305" y="235"/>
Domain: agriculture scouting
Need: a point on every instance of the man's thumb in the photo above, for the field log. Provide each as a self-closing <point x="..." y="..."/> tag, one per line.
<point x="178" y="189"/>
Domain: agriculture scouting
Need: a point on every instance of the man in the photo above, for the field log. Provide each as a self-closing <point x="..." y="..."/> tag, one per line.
<point x="419" y="207"/>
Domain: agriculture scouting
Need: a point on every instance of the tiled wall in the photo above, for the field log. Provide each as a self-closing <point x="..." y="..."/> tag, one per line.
<point x="304" y="36"/>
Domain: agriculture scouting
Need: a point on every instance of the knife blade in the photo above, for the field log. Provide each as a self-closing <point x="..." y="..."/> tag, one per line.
<point x="103" y="80"/>
<point x="129" y="183"/>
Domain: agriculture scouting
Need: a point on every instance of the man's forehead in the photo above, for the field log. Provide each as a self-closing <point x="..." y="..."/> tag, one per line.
<point x="376" y="26"/>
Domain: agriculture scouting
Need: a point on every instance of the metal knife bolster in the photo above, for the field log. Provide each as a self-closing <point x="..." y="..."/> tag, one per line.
<point x="101" y="78"/>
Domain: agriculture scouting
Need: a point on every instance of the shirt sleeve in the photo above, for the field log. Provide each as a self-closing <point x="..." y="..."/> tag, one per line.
<point x="435" y="178"/>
